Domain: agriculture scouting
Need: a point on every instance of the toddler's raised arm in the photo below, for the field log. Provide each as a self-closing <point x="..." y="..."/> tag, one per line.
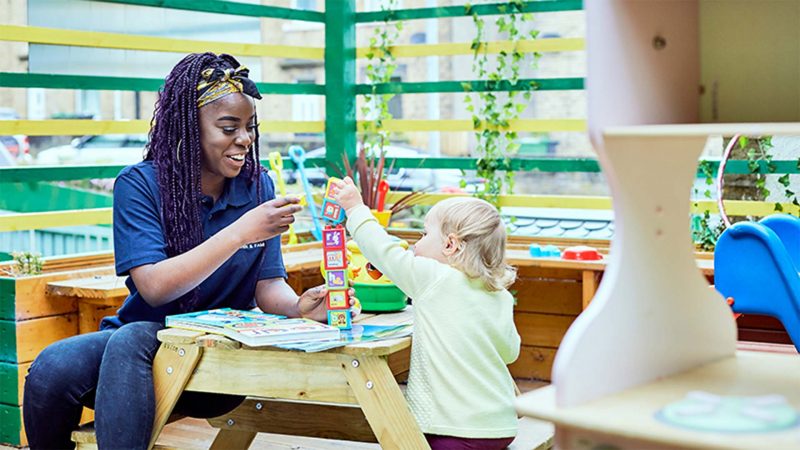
<point x="412" y="274"/>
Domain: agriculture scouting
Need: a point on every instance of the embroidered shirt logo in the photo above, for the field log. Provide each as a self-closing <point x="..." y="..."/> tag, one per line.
<point x="254" y="245"/>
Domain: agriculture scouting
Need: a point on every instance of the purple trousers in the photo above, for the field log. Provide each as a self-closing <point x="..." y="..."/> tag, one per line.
<point x="458" y="443"/>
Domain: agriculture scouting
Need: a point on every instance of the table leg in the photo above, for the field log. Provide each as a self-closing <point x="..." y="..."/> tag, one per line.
<point x="172" y="368"/>
<point x="383" y="403"/>
<point x="233" y="440"/>
<point x="590" y="281"/>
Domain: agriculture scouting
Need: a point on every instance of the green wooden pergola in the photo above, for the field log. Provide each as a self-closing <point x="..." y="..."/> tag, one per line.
<point x="340" y="90"/>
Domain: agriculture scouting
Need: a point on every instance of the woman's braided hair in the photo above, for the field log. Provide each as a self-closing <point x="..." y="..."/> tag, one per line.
<point x="174" y="148"/>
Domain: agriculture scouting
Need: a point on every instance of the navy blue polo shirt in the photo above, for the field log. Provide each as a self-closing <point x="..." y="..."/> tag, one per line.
<point x="139" y="240"/>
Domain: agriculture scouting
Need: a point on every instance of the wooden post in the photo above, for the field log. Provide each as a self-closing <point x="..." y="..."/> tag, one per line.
<point x="172" y="368"/>
<point x="383" y="403"/>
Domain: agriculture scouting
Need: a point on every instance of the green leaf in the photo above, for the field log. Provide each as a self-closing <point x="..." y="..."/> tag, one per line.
<point x="743" y="141"/>
<point x="778" y="207"/>
<point x="467" y="86"/>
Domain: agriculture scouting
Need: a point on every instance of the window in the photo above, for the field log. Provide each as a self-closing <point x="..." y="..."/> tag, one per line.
<point x="305" y="4"/>
<point x="396" y="102"/>
<point x="376" y="5"/>
<point x="87" y="104"/>
<point x="305" y="107"/>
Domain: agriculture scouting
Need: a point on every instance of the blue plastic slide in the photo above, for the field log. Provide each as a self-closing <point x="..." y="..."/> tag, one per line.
<point x="757" y="265"/>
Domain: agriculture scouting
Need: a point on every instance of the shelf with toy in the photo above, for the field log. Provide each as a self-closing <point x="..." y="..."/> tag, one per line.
<point x="654" y="335"/>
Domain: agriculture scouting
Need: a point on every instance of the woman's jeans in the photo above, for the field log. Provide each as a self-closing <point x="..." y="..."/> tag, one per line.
<point x="112" y="372"/>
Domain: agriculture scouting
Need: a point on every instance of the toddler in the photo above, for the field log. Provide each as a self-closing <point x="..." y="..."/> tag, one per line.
<point x="459" y="388"/>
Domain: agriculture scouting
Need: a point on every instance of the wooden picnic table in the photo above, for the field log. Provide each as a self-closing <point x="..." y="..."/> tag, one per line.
<point x="97" y="297"/>
<point x="104" y="290"/>
<point x="315" y="391"/>
<point x="591" y="271"/>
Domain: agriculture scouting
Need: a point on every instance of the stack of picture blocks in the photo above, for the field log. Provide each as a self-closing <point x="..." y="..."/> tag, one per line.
<point x="334" y="256"/>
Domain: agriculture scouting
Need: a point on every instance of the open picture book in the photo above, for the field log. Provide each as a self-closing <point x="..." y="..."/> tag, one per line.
<point x="254" y="328"/>
<point x="358" y="334"/>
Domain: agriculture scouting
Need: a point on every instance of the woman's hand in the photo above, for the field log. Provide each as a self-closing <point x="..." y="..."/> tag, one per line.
<point x="347" y="195"/>
<point x="312" y="304"/>
<point x="266" y="220"/>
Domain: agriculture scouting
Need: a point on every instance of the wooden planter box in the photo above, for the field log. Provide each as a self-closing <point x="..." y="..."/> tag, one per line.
<point x="29" y="322"/>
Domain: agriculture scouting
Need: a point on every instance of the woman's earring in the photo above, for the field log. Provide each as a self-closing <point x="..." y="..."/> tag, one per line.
<point x="178" y="150"/>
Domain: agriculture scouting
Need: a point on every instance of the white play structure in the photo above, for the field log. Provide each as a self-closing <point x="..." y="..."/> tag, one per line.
<point x="655" y="331"/>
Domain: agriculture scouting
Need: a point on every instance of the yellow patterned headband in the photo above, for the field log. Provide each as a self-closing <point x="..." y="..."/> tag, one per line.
<point x="217" y="83"/>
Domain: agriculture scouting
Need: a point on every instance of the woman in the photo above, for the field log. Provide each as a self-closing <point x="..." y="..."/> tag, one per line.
<point x="196" y="227"/>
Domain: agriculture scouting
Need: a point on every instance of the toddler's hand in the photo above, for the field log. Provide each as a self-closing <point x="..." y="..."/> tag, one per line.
<point x="347" y="195"/>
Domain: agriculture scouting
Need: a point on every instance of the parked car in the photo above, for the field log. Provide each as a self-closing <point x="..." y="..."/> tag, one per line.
<point x="18" y="145"/>
<point x="6" y="159"/>
<point x="101" y="149"/>
<point x="400" y="179"/>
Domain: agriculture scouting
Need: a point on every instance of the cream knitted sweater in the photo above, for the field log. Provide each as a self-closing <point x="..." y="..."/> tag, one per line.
<point x="464" y="336"/>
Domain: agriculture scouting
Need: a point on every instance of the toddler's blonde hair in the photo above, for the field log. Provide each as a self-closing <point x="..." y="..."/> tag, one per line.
<point x="482" y="236"/>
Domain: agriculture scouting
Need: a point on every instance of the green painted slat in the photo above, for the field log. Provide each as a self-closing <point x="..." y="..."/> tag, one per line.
<point x="340" y="78"/>
<point x="37" y="80"/>
<point x="291" y="88"/>
<point x="10" y="424"/>
<point x="739" y="167"/>
<point x="578" y="165"/>
<point x="40" y="197"/>
<point x="31" y="174"/>
<point x="64" y="173"/>
<point x="8" y="341"/>
<point x="540" y="164"/>
<point x="539" y="84"/>
<point x="228" y="7"/>
<point x="57" y="173"/>
<point x="9" y="384"/>
<point x="100" y="83"/>
<point x="8" y="309"/>
<point x="460" y="11"/>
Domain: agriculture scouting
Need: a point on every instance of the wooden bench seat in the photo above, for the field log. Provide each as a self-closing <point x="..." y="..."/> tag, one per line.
<point x="303" y="419"/>
<point x="533" y="435"/>
<point x="85" y="439"/>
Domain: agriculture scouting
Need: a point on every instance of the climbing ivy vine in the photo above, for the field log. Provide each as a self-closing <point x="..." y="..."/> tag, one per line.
<point x="492" y="110"/>
<point x="757" y="153"/>
<point x="381" y="65"/>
